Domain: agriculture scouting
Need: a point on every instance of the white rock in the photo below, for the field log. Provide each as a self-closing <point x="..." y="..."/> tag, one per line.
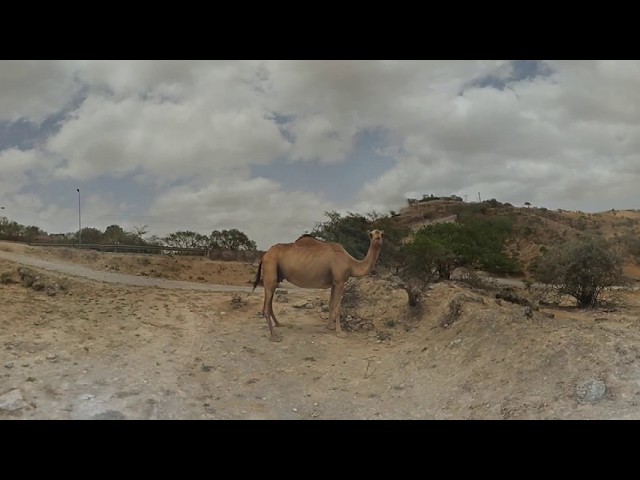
<point x="12" y="401"/>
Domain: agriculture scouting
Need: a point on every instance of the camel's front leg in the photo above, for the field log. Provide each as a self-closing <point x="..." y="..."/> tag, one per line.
<point x="275" y="320"/>
<point x="337" y="304"/>
<point x="332" y="300"/>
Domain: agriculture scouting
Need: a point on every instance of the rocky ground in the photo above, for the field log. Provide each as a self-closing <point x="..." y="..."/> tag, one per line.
<point x="75" y="348"/>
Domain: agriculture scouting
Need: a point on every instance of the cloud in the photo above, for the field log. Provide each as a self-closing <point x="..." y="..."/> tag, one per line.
<point x="532" y="140"/>
<point x="18" y="168"/>
<point x="33" y="89"/>
<point x="166" y="140"/>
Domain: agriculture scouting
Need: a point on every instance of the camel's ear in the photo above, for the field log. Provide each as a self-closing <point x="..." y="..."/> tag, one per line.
<point x="382" y="233"/>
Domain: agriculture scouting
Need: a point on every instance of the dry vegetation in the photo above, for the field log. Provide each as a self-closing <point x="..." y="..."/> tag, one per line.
<point x="535" y="228"/>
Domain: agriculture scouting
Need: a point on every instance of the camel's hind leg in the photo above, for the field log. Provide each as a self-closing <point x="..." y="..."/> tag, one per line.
<point x="270" y="282"/>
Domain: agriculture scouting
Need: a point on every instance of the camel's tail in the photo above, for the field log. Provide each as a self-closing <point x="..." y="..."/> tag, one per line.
<point x="257" y="280"/>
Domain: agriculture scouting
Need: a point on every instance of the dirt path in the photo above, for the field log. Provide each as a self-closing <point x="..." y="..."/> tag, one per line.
<point x="118" y="278"/>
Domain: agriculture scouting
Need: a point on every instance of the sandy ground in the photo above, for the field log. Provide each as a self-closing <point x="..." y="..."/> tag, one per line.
<point x="98" y="350"/>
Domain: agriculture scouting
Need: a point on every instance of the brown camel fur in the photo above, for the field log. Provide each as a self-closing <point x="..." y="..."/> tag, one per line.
<point x="312" y="263"/>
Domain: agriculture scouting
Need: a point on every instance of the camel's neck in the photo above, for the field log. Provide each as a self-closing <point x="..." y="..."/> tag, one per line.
<point x="360" y="268"/>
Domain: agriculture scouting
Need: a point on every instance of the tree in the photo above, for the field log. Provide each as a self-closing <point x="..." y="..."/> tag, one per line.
<point x="113" y="234"/>
<point x="582" y="268"/>
<point x="31" y="233"/>
<point x="477" y="243"/>
<point x="10" y="229"/>
<point x="91" y="235"/>
<point x="140" y="231"/>
<point x="186" y="239"/>
<point x="527" y="204"/>
<point x="154" y="240"/>
<point x="435" y="250"/>
<point x="232" y="239"/>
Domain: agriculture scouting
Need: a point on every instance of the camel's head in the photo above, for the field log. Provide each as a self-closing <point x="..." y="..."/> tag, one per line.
<point x="376" y="235"/>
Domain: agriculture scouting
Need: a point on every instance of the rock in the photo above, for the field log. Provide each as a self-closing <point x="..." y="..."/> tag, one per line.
<point x="527" y="312"/>
<point x="282" y="298"/>
<point x="590" y="391"/>
<point x="27" y="277"/>
<point x="324" y="308"/>
<point x="51" y="290"/>
<point x="300" y="305"/>
<point x="12" y="401"/>
<point x="51" y="356"/>
<point x="8" y="365"/>
<point x="281" y="291"/>
<point x="548" y="314"/>
<point x="109" y="415"/>
<point x="38" y="284"/>
<point x="309" y="305"/>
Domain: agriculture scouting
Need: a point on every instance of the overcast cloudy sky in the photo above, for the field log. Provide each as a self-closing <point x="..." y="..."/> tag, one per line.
<point x="268" y="146"/>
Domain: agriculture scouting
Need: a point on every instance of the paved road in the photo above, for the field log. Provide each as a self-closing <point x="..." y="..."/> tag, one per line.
<point x="121" y="278"/>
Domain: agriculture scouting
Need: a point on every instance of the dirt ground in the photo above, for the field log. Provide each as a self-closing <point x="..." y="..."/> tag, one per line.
<point x="97" y="350"/>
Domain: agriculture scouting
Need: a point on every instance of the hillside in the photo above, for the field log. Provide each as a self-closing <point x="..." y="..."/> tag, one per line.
<point x="534" y="228"/>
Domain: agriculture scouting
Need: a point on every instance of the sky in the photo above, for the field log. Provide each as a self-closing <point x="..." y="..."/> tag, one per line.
<point x="268" y="146"/>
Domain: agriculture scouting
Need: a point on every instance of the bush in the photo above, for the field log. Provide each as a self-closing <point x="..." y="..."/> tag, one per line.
<point x="582" y="268"/>
<point x="6" y="277"/>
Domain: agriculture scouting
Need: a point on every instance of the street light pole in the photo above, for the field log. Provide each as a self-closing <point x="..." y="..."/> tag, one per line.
<point x="79" y="219"/>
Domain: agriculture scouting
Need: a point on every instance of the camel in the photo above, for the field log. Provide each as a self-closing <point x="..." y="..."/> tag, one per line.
<point x="312" y="263"/>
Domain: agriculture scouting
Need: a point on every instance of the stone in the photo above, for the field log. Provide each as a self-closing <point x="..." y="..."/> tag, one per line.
<point x="109" y="415"/>
<point x="281" y="291"/>
<point x="282" y="298"/>
<point x="12" y="401"/>
<point x="590" y="391"/>
<point x="27" y="277"/>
